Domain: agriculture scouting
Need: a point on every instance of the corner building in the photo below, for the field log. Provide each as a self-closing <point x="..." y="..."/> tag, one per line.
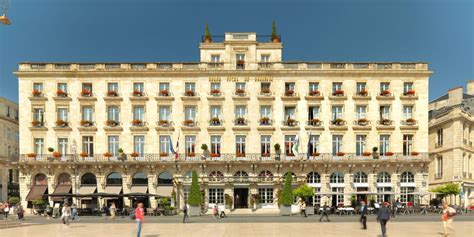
<point x="114" y="127"/>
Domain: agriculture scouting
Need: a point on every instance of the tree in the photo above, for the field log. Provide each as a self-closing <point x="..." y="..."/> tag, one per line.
<point x="207" y="34"/>
<point x="195" y="192"/>
<point x="287" y="192"/>
<point x="13" y="200"/>
<point x="447" y="189"/>
<point x="304" y="191"/>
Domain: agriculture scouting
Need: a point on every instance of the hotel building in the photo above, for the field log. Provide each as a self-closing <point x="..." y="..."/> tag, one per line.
<point x="9" y="144"/>
<point x="451" y="137"/>
<point x="114" y="127"/>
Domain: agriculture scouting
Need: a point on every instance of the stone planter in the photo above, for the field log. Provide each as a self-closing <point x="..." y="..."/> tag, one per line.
<point x="194" y="211"/>
<point x="285" y="210"/>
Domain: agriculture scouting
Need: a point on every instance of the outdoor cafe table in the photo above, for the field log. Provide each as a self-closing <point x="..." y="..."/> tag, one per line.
<point x="346" y="210"/>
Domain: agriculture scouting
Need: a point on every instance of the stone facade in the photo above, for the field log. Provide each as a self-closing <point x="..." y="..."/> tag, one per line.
<point x="451" y="142"/>
<point x="240" y="95"/>
<point x="8" y="148"/>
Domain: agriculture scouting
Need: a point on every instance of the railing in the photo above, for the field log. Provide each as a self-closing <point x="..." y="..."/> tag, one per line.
<point x="216" y="122"/>
<point x="314" y="122"/>
<point x="361" y="122"/>
<point x="409" y="122"/>
<point x="265" y="122"/>
<point x="290" y="123"/>
<point x="385" y="122"/>
<point x="223" y="157"/>
<point x="241" y="122"/>
<point x="164" y="124"/>
<point x="190" y="124"/>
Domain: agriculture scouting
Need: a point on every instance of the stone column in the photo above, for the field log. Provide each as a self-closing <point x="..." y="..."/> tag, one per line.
<point x="325" y="188"/>
<point x="152" y="189"/>
<point x="4" y="183"/>
<point x="348" y="188"/>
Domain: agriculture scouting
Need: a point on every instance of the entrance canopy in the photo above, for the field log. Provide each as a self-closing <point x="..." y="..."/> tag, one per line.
<point x="36" y="192"/>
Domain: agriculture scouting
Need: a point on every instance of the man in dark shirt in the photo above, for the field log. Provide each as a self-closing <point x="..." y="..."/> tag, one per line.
<point x="383" y="216"/>
<point x="363" y="215"/>
<point x="324" y="213"/>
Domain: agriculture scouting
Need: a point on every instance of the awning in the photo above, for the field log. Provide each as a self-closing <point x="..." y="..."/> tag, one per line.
<point x="113" y="189"/>
<point x="139" y="189"/>
<point x="87" y="190"/>
<point x="164" y="190"/>
<point x="471" y="196"/>
<point x="36" y="192"/>
<point x="61" y="191"/>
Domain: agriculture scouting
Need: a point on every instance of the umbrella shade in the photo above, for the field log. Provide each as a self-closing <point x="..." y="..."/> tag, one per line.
<point x="141" y="195"/>
<point x="104" y="195"/>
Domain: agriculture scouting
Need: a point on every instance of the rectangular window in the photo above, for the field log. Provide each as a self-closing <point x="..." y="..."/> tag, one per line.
<point x="336" y="86"/>
<point x="240" y="145"/>
<point x="190" y="86"/>
<point x="240" y="86"/>
<point x="165" y="113"/>
<point x="384" y="86"/>
<point x="336" y="144"/>
<point x="63" y="114"/>
<point x="113" y="145"/>
<point x="361" y="112"/>
<point x="87" y="113"/>
<point x="265" y="87"/>
<point x="39" y="146"/>
<point x="190" y="113"/>
<point x="289" y="142"/>
<point x="215" y="58"/>
<point x="313" y="144"/>
<point x="139" y="145"/>
<point x="407" y="194"/>
<point x="439" y="138"/>
<point x="384" y="144"/>
<point x="216" y="145"/>
<point x="164" y="86"/>
<point x="361" y="141"/>
<point x="266" y="195"/>
<point x="265" y="111"/>
<point x="138" y="87"/>
<point x="290" y="112"/>
<point x="240" y="111"/>
<point x="216" y="112"/>
<point x="407" y="112"/>
<point x="383" y="197"/>
<point x="165" y="145"/>
<point x="407" y="144"/>
<point x="216" y="86"/>
<point x="361" y="87"/>
<point x="265" y="144"/>
<point x="88" y="145"/>
<point x="113" y="113"/>
<point x="313" y="112"/>
<point x="240" y="57"/>
<point x="337" y="112"/>
<point x="190" y="144"/>
<point x="38" y="115"/>
<point x="313" y="86"/>
<point x="216" y="196"/>
<point x="139" y="113"/>
<point x="384" y="112"/>
<point x="62" y="87"/>
<point x="38" y="87"/>
<point x="112" y="87"/>
<point x="338" y="199"/>
<point x="439" y="166"/>
<point x="265" y="58"/>
<point x="290" y="86"/>
<point x="87" y="88"/>
<point x="407" y="86"/>
<point x="62" y="146"/>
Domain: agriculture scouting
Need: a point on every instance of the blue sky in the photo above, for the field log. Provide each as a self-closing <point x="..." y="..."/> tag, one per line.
<point x="440" y="32"/>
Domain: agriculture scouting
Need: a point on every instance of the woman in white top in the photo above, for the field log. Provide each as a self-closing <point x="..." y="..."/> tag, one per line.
<point x="66" y="214"/>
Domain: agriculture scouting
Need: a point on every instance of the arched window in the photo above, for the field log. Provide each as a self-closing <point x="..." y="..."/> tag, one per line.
<point x="188" y="176"/>
<point x="360" y="177"/>
<point x="384" y="177"/>
<point x="41" y="179"/>
<point x="407" y="177"/>
<point x="64" y="179"/>
<point x="216" y="176"/>
<point x="313" y="178"/>
<point x="114" y="178"/>
<point x="88" y="179"/>
<point x="165" y="179"/>
<point x="241" y="173"/>
<point x="336" y="178"/>
<point x="140" y="179"/>
<point x="293" y="176"/>
<point x="265" y="175"/>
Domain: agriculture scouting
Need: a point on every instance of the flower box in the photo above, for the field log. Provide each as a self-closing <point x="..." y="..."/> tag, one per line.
<point x="389" y="153"/>
<point x="315" y="154"/>
<point x="215" y="155"/>
<point x="338" y="93"/>
<point x="31" y="155"/>
<point x="163" y="123"/>
<point x="137" y="93"/>
<point x="338" y="122"/>
<point x="386" y="122"/>
<point x="410" y="92"/>
<point x="314" y="122"/>
<point x="57" y="154"/>
<point x="289" y="93"/>
<point x="240" y="121"/>
<point x="36" y="93"/>
<point x="85" y="92"/>
<point x="215" y="92"/>
<point x="137" y="122"/>
<point x="265" y="91"/>
<point x="362" y="93"/>
<point x="240" y="92"/>
<point x="265" y="155"/>
<point x="61" y="123"/>
<point x="36" y="123"/>
<point x="265" y="120"/>
<point x="164" y="93"/>
<point x="239" y="154"/>
<point x="189" y="93"/>
<point x="108" y="154"/>
<point x="366" y="153"/>
<point x="163" y="154"/>
<point x="111" y="123"/>
<point x="112" y="93"/>
<point x="191" y="154"/>
<point x="290" y="122"/>
<point x="84" y="154"/>
<point x="314" y="93"/>
<point x="86" y="123"/>
<point x="61" y="93"/>
<point x="215" y="120"/>
<point x="362" y="121"/>
<point x="385" y="93"/>
<point x="240" y="62"/>
<point x="189" y="122"/>
<point x="340" y="154"/>
<point x="410" y="121"/>
<point x="414" y="153"/>
<point x="134" y="155"/>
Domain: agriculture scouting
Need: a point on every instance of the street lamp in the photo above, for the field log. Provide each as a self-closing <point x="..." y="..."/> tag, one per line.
<point x="4" y="4"/>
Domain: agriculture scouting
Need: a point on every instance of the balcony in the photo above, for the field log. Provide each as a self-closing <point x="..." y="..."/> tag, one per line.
<point x="37" y="96"/>
<point x="164" y="125"/>
<point x="164" y="95"/>
<point x="265" y="66"/>
<point x="290" y="124"/>
<point x="216" y="95"/>
<point x="138" y="96"/>
<point x="112" y="96"/>
<point x="112" y="126"/>
<point x="338" y="124"/>
<point x="216" y="124"/>
<point x="190" y="125"/>
<point x="290" y="95"/>
<point x="190" y="95"/>
<point x="265" y="94"/>
<point x="314" y="95"/>
<point x="38" y="126"/>
<point x="338" y="95"/>
<point x="361" y="124"/>
<point x="241" y="124"/>
<point x="385" y="95"/>
<point x="385" y="124"/>
<point x="62" y="125"/>
<point x="265" y="124"/>
<point x="409" y="95"/>
<point x="314" y="124"/>
<point x="86" y="95"/>
<point x="215" y="65"/>
<point x="409" y="124"/>
<point x="87" y="126"/>
<point x="361" y="95"/>
<point x="138" y="126"/>
<point x="240" y="94"/>
<point x="62" y="96"/>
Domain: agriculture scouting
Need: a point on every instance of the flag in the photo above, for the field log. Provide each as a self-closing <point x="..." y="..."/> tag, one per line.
<point x="175" y="152"/>
<point x="310" y="148"/>
<point x="296" y="145"/>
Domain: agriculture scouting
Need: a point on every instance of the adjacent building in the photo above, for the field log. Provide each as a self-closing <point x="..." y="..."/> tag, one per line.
<point x="9" y="144"/>
<point x="451" y="141"/>
<point x="130" y="131"/>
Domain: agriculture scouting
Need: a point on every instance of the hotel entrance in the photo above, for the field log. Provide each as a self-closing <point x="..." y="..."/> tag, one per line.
<point x="241" y="197"/>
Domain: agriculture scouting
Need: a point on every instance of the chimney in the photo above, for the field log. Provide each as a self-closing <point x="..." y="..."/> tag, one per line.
<point x="470" y="87"/>
<point x="455" y="96"/>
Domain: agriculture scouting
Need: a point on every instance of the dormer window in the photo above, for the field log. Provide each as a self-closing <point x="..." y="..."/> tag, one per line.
<point x="215" y="58"/>
<point x="265" y="58"/>
<point x="240" y="61"/>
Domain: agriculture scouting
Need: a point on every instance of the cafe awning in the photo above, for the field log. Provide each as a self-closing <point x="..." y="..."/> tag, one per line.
<point x="85" y="192"/>
<point x="61" y="191"/>
<point x="36" y="192"/>
<point x="164" y="190"/>
<point x="139" y="189"/>
<point x="113" y="189"/>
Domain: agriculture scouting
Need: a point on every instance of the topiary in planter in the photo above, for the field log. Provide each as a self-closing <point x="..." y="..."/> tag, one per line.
<point x="195" y="192"/>
<point x="287" y="192"/>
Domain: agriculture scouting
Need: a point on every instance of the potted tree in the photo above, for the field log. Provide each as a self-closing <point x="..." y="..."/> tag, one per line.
<point x="286" y="197"/>
<point x="205" y="151"/>
<point x="375" y="154"/>
<point x="275" y="38"/>
<point x="277" y="151"/>
<point x="254" y="200"/>
<point x="207" y="35"/>
<point x="229" y="201"/>
<point x="38" y="205"/>
<point x="304" y="192"/>
<point x="194" y="199"/>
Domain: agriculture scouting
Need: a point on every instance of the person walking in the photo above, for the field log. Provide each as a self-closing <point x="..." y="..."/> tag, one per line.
<point x="324" y="213"/>
<point x="185" y="212"/>
<point x="6" y="210"/>
<point x="74" y="213"/>
<point x="447" y="217"/>
<point x="215" y="212"/>
<point x="20" y="212"/>
<point x="66" y="214"/>
<point x="139" y="217"/>
<point x="363" y="215"/>
<point x="303" y="208"/>
<point x="113" y="211"/>
<point x="393" y="209"/>
<point x="383" y="215"/>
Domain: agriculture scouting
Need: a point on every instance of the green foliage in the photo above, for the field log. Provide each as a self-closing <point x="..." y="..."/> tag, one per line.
<point x="120" y="150"/>
<point x="274" y="30"/>
<point x="207" y="34"/>
<point x="277" y="147"/>
<point x="447" y="189"/>
<point x="39" y="202"/>
<point x="13" y="200"/>
<point x="50" y="149"/>
<point x="287" y="192"/>
<point x="195" y="192"/>
<point x="304" y="191"/>
<point x="204" y="147"/>
<point x="228" y="199"/>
